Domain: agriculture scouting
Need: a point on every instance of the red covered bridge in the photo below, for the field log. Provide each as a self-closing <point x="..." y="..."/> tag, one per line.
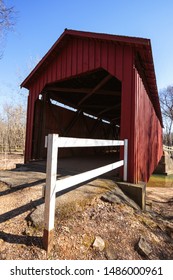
<point x="109" y="77"/>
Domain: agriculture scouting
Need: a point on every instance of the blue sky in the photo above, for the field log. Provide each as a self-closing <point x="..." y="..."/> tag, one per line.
<point x="39" y="23"/>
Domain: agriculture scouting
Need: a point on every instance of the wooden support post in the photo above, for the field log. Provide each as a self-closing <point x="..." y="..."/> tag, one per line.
<point x="42" y="128"/>
<point x="51" y="172"/>
<point x="125" y="159"/>
<point x="72" y="122"/>
<point x="96" y="88"/>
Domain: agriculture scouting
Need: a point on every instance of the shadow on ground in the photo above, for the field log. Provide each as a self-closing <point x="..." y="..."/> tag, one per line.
<point x="22" y="239"/>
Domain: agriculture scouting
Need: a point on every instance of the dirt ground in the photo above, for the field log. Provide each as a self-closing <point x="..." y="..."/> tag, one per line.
<point x="79" y="221"/>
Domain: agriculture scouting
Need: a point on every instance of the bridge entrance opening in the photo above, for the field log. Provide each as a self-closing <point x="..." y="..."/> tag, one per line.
<point x="85" y="106"/>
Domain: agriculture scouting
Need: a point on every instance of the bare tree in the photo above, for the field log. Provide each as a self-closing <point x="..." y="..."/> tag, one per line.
<point x="2" y="135"/>
<point x="7" y="20"/>
<point x="12" y="128"/>
<point x="166" y="101"/>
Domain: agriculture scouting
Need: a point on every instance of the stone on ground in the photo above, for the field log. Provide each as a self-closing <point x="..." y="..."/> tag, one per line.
<point x="143" y="247"/>
<point x="99" y="243"/>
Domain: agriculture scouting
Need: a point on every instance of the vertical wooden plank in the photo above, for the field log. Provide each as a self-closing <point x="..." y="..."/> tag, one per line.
<point x="74" y="56"/>
<point x="104" y="55"/>
<point x="128" y="108"/>
<point x="80" y="56"/>
<point x="97" y="55"/>
<point x="111" y="58"/>
<point x="63" y="63"/>
<point x="125" y="160"/>
<point x="27" y="131"/>
<point x="49" y="73"/>
<point x="33" y="95"/>
<point x="136" y="138"/>
<point x="59" y="67"/>
<point x="85" y="55"/>
<point x="51" y="171"/>
<point x="69" y="60"/>
<point x="54" y="63"/>
<point x="37" y="90"/>
<point x="30" y="126"/>
<point x="41" y="81"/>
<point x="119" y="62"/>
<point x="91" y="54"/>
<point x="45" y="77"/>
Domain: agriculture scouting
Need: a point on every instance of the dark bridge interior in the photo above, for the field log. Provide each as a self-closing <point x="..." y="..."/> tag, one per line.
<point x="97" y="93"/>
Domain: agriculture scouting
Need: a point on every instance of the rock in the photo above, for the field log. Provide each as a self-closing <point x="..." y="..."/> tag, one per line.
<point x="143" y="247"/>
<point x="87" y="240"/>
<point x="66" y="229"/>
<point x="99" y="243"/>
<point x="110" y="197"/>
<point x="116" y="195"/>
<point x="110" y="254"/>
<point x="37" y="217"/>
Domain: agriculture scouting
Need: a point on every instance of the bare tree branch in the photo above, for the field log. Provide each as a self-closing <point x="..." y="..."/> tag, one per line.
<point x="7" y="21"/>
<point x="12" y="127"/>
<point x="166" y="102"/>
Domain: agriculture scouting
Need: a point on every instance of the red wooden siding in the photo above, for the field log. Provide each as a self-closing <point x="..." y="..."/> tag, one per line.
<point x="69" y="62"/>
<point x="81" y="56"/>
<point x="141" y="121"/>
<point x="148" y="131"/>
<point x="127" y="109"/>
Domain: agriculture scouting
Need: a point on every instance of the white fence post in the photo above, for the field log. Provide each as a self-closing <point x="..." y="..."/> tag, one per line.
<point x="51" y="173"/>
<point x="53" y="142"/>
<point x="125" y="159"/>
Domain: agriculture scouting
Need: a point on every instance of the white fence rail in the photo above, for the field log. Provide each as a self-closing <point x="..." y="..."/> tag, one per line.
<point x="53" y="142"/>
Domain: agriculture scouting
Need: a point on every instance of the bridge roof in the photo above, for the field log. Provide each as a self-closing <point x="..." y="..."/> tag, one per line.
<point x="143" y="51"/>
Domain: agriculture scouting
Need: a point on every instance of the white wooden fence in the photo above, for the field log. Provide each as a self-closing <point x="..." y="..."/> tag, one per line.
<point x="53" y="142"/>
